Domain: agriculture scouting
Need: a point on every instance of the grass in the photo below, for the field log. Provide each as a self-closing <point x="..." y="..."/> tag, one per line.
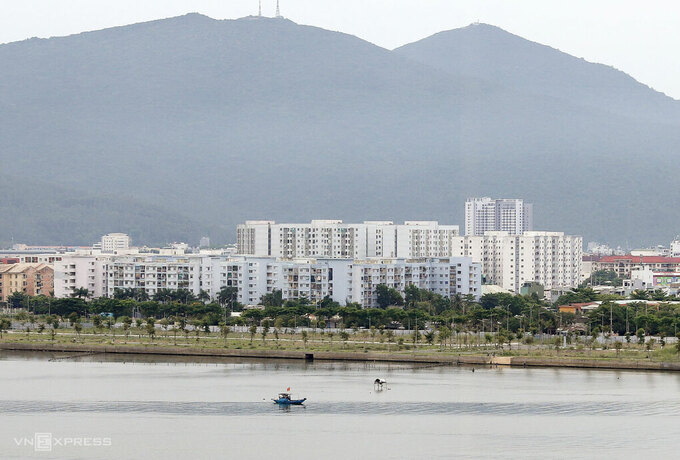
<point x="318" y="342"/>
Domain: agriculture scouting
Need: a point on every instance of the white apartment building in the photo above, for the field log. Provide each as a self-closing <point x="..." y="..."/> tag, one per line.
<point x="506" y="215"/>
<point x="335" y="239"/>
<point x="675" y="247"/>
<point x="115" y="242"/>
<point x="151" y="273"/>
<point x="344" y="280"/>
<point x="549" y="258"/>
<point x="75" y="271"/>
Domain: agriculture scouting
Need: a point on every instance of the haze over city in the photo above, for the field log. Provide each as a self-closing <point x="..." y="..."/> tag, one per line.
<point x="351" y="229"/>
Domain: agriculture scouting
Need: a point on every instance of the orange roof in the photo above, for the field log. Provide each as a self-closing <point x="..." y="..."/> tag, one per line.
<point x="641" y="259"/>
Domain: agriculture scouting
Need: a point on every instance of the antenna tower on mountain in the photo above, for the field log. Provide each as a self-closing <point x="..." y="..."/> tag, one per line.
<point x="278" y="12"/>
<point x="259" y="8"/>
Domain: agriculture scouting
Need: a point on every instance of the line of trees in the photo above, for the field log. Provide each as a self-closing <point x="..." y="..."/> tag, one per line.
<point x="492" y="313"/>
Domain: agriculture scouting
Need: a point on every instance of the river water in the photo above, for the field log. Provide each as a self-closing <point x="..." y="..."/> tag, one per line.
<point x="149" y="407"/>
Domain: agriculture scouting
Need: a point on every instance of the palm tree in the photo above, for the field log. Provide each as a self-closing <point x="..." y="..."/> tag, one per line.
<point x="140" y="295"/>
<point x="203" y="296"/>
<point x="81" y="293"/>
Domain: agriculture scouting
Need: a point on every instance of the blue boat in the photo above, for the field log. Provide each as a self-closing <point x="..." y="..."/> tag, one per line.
<point x="285" y="399"/>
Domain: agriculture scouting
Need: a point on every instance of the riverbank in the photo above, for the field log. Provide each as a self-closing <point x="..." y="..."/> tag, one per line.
<point x="481" y="359"/>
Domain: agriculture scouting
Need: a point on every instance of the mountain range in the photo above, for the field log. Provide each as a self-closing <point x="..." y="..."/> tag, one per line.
<point x="182" y="127"/>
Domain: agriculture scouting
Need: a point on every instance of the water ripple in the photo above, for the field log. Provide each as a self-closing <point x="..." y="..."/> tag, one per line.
<point x="341" y="408"/>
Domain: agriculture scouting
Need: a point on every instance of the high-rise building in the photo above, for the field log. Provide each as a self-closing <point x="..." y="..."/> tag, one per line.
<point x="115" y="242"/>
<point x="551" y="259"/>
<point x="498" y="215"/>
<point x="335" y="239"/>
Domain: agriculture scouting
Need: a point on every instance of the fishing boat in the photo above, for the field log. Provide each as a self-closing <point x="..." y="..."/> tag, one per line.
<point x="285" y="399"/>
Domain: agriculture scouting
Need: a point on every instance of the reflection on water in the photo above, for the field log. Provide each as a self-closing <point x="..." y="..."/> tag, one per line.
<point x="178" y="407"/>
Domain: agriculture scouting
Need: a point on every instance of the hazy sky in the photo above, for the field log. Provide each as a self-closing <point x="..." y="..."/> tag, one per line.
<point x="640" y="38"/>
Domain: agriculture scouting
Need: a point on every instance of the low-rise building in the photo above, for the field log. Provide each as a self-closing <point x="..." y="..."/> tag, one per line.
<point x="624" y="265"/>
<point x="27" y="278"/>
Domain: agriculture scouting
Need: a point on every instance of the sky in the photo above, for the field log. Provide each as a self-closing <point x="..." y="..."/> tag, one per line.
<point x="640" y="38"/>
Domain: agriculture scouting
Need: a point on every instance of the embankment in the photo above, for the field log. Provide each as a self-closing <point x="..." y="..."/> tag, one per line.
<point x="432" y="358"/>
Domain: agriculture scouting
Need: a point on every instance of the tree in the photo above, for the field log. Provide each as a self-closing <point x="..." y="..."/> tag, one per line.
<point x="127" y="322"/>
<point x="429" y="337"/>
<point x="17" y="299"/>
<point x="150" y="329"/>
<point x="344" y="335"/>
<point x="81" y="293"/>
<point x="304" y="338"/>
<point x="78" y="328"/>
<point x="618" y="345"/>
<point x="252" y="331"/>
<point x="224" y="331"/>
<point x="444" y="335"/>
<point x="97" y="322"/>
<point x="265" y="330"/>
<point x="640" y="333"/>
<point x="387" y="296"/>
<point x="272" y="299"/>
<point x="639" y="294"/>
<point x="5" y="325"/>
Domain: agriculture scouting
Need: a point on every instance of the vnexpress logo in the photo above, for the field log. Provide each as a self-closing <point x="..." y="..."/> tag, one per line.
<point x="45" y="442"/>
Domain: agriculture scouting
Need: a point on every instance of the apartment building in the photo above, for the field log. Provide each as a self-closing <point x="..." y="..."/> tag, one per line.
<point x="624" y="265"/>
<point x="75" y="271"/>
<point x="112" y="242"/>
<point x="28" y="278"/>
<point x="335" y="239"/>
<point x="505" y="215"/>
<point x="343" y="280"/>
<point x="549" y="258"/>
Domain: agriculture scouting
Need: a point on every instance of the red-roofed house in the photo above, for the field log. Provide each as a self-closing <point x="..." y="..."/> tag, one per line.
<point x="623" y="265"/>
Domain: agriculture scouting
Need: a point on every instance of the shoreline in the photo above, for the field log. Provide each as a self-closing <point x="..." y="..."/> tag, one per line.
<point x="414" y="358"/>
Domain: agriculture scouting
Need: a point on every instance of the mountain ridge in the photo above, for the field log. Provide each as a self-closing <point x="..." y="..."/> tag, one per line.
<point x="225" y="120"/>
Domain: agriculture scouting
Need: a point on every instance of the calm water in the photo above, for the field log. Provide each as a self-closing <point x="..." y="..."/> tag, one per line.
<point x="150" y="408"/>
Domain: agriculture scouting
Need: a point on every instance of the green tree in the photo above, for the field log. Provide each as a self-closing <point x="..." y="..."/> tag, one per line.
<point x="150" y="330"/>
<point x="618" y="345"/>
<point x="252" y="331"/>
<point x="444" y="335"/>
<point x="387" y="296"/>
<point x="127" y="322"/>
<point x="5" y="325"/>
<point x="344" y="335"/>
<point x="304" y="338"/>
<point x="265" y="330"/>
<point x="640" y="333"/>
<point x="639" y="294"/>
<point x="224" y="331"/>
<point x="97" y="322"/>
<point x="429" y="337"/>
